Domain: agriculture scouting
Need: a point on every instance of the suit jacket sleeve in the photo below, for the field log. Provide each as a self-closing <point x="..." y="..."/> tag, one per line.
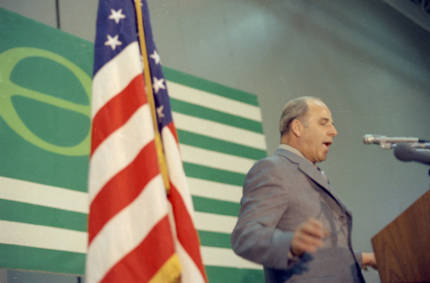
<point x="265" y="199"/>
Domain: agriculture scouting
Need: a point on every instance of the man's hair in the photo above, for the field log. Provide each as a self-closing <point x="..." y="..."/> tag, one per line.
<point x="294" y="109"/>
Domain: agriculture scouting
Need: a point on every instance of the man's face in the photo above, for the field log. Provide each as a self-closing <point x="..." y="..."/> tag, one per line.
<point x="317" y="133"/>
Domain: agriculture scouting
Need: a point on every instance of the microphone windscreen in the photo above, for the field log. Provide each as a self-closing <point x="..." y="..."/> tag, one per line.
<point x="403" y="152"/>
<point x="406" y="152"/>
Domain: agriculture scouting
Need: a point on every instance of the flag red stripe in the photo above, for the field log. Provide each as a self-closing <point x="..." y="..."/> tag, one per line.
<point x="142" y="263"/>
<point x="122" y="189"/>
<point x="117" y="111"/>
<point x="172" y="129"/>
<point x="187" y="235"/>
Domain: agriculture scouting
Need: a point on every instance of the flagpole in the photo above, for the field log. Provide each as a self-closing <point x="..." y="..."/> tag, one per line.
<point x="150" y="95"/>
<point x="187" y="241"/>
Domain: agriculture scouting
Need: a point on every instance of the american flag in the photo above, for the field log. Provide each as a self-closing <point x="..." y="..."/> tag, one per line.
<point x="136" y="233"/>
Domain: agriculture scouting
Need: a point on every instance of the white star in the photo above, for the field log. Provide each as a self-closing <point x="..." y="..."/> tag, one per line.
<point x="160" y="112"/>
<point x="116" y="15"/>
<point x="112" y="41"/>
<point x="156" y="57"/>
<point x="158" y="84"/>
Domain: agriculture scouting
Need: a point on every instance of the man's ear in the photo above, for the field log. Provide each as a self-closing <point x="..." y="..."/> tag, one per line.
<point x="296" y="127"/>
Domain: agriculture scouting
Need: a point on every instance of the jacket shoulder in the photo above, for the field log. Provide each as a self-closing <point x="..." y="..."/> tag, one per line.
<point x="275" y="167"/>
<point x="274" y="162"/>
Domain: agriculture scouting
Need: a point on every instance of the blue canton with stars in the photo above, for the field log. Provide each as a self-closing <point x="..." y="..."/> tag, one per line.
<point x="116" y="29"/>
<point x="161" y="97"/>
<point x="122" y="28"/>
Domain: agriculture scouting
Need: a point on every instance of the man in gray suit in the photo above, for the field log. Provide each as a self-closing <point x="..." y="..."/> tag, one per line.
<point x="291" y="220"/>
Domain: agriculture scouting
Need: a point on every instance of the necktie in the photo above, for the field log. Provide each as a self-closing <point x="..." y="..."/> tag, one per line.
<point x="323" y="175"/>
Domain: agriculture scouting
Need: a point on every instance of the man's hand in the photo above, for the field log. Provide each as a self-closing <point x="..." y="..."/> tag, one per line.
<point x="368" y="259"/>
<point x="308" y="237"/>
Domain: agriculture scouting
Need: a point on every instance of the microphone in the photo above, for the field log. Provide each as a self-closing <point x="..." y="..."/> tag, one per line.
<point x="387" y="142"/>
<point x="406" y="152"/>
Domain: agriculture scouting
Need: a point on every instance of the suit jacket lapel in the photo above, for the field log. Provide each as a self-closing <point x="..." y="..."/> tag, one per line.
<point x="312" y="172"/>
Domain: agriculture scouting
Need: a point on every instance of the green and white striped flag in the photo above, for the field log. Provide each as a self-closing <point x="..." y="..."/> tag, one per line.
<point x="44" y="129"/>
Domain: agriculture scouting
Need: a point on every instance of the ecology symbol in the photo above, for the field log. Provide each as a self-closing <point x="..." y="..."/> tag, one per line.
<point x="9" y="59"/>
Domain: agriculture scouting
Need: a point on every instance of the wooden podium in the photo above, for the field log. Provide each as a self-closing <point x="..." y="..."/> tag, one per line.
<point x="402" y="248"/>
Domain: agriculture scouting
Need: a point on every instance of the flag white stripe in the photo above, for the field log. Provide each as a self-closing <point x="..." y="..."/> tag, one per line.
<point x="176" y="174"/>
<point x="192" y="273"/>
<point x="65" y="199"/>
<point x="213" y="101"/>
<point x="43" y="195"/>
<point x="215" y="159"/>
<point x="225" y="257"/>
<point x="219" y="131"/>
<point x="123" y="230"/>
<point x="44" y="237"/>
<point x="202" y="220"/>
<point x="214" y="190"/>
<point x="108" y="160"/>
<point x="214" y="222"/>
<point x="114" y="76"/>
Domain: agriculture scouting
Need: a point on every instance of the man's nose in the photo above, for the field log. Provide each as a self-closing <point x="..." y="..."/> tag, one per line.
<point x="333" y="131"/>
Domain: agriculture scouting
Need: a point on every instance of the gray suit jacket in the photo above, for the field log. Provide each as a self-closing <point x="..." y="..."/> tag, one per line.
<point x="279" y="193"/>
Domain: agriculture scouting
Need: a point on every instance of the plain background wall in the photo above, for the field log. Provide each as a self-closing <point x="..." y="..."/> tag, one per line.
<point x="369" y="63"/>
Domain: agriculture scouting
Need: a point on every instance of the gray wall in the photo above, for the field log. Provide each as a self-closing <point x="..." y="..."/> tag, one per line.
<point x="369" y="63"/>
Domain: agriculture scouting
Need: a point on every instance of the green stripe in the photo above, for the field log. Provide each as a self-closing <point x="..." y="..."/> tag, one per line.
<point x="222" y="207"/>
<point x="19" y="257"/>
<point x="212" y="174"/>
<point x="40" y="215"/>
<point x="218" y="274"/>
<point x="209" y="143"/>
<point x="208" y="86"/>
<point x="215" y="115"/>
<point x="215" y="239"/>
